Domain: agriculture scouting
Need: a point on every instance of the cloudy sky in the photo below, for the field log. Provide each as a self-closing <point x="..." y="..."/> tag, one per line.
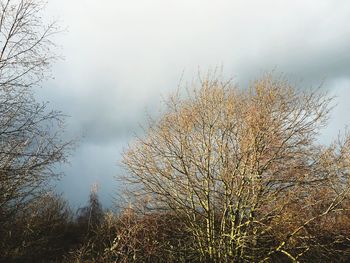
<point x="122" y="56"/>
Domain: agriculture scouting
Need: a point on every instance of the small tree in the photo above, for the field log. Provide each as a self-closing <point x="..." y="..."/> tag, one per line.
<point x="244" y="168"/>
<point x="91" y="215"/>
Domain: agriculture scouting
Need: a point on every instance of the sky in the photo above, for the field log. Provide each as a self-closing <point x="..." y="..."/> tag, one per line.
<point x="121" y="58"/>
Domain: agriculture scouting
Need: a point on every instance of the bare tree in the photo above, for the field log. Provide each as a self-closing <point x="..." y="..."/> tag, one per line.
<point x="243" y="167"/>
<point x="91" y="215"/>
<point x="30" y="135"/>
<point x="25" y="43"/>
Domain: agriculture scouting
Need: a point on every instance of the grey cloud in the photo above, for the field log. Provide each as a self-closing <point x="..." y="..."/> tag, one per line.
<point x="122" y="56"/>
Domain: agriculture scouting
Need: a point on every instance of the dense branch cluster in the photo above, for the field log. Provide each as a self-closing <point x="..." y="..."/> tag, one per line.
<point x="25" y="43"/>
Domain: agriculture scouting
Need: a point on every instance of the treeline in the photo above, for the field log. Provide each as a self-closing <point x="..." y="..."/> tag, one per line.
<point x="48" y="231"/>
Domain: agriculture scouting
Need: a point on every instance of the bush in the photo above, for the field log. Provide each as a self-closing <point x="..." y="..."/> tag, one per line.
<point x="40" y="232"/>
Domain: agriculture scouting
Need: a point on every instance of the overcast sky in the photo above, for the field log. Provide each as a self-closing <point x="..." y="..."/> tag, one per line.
<point x="121" y="57"/>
